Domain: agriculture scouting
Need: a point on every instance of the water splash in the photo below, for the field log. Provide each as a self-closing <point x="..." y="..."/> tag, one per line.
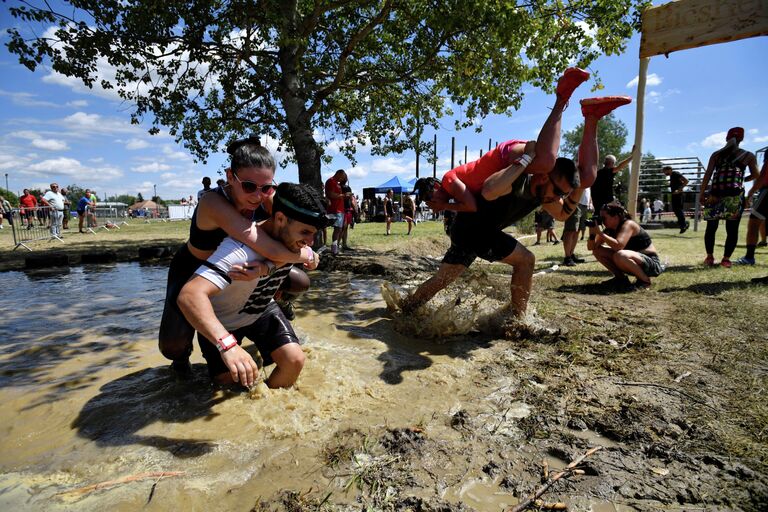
<point x="459" y="309"/>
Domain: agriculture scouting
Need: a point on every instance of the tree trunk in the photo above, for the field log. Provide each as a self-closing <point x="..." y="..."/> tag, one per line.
<point x="298" y="120"/>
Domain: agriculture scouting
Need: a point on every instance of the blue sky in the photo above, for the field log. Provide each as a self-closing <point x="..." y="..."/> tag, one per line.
<point x="54" y="129"/>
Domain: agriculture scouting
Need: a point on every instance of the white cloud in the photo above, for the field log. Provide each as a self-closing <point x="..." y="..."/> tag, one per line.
<point x="77" y="104"/>
<point x="71" y="168"/>
<point x="357" y="172"/>
<point x="136" y="144"/>
<point x="153" y="167"/>
<point x="761" y="139"/>
<point x="26" y="99"/>
<point x="650" y="81"/>
<point x="716" y="140"/>
<point x="25" y="134"/>
<point x="172" y="153"/>
<point x="50" y="144"/>
<point x="392" y="165"/>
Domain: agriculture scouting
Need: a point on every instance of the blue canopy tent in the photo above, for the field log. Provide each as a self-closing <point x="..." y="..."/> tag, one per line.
<point x="397" y="185"/>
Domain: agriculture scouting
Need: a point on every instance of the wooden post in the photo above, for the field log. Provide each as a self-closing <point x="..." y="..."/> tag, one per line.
<point x="417" y="161"/>
<point x="453" y="150"/>
<point x="489" y="144"/>
<point x="634" y="177"/>
<point x="434" y="162"/>
<point x="465" y="154"/>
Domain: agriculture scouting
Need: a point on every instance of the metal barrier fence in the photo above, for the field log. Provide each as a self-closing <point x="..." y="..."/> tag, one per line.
<point x="105" y="217"/>
<point x="34" y="224"/>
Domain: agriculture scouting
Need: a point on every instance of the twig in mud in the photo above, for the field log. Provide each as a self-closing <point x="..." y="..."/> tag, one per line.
<point x="590" y="322"/>
<point x="667" y="388"/>
<point x="567" y="471"/>
<point x="158" y="475"/>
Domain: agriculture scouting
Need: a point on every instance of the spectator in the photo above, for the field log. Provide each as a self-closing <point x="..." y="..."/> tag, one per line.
<point x="389" y="210"/>
<point x="82" y="209"/>
<point x="658" y="207"/>
<point x="759" y="213"/>
<point x="602" y="188"/>
<point x="206" y="188"/>
<point x="91" y="210"/>
<point x="724" y="199"/>
<point x="624" y="247"/>
<point x="409" y="211"/>
<point x="67" y="212"/>
<point x="646" y="210"/>
<point x="335" y="195"/>
<point x="350" y="207"/>
<point x="573" y="224"/>
<point x="6" y="212"/>
<point x="27" y="206"/>
<point x="676" y="184"/>
<point x="55" y="201"/>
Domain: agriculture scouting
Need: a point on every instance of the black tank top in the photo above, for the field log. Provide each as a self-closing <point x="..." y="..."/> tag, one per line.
<point x="209" y="240"/>
<point x="638" y="243"/>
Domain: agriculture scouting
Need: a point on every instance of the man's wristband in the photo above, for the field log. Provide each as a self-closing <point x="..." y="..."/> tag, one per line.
<point x="226" y="342"/>
<point x="524" y="160"/>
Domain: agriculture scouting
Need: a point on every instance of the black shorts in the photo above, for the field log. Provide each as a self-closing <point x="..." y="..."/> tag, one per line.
<point x="270" y="332"/>
<point x="760" y="205"/>
<point x="468" y="241"/>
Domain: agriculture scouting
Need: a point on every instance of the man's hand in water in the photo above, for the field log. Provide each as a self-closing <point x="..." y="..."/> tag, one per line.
<point x="241" y="366"/>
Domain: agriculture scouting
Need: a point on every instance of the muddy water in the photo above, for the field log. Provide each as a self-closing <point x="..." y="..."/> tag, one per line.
<point x="87" y="398"/>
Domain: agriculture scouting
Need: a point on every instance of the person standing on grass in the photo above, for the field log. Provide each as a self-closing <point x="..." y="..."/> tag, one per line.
<point x="677" y="183"/>
<point x="658" y="207"/>
<point x="389" y="210"/>
<point x="722" y="193"/>
<point x="67" y="212"/>
<point x="55" y="201"/>
<point x="82" y="209"/>
<point x="602" y="188"/>
<point x="231" y="211"/>
<point x="759" y="213"/>
<point x="624" y="248"/>
<point x="335" y="196"/>
<point x="574" y="223"/>
<point x="27" y="205"/>
<point x="5" y="211"/>
<point x="409" y="211"/>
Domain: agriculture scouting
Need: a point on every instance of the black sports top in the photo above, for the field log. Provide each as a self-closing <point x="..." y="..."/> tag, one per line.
<point x="638" y="243"/>
<point x="209" y="240"/>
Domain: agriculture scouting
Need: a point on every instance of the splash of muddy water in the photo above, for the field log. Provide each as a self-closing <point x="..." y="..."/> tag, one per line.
<point x="87" y="397"/>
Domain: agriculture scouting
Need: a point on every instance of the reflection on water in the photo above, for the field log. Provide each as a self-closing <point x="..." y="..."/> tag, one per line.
<point x="88" y="397"/>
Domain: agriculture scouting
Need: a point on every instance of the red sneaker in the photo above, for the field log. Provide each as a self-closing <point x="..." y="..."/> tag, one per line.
<point x="709" y="261"/>
<point x="725" y="262"/>
<point x="571" y="79"/>
<point x="600" y="107"/>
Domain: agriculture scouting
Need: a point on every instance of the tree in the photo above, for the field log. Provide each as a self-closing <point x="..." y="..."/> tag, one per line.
<point x="377" y="71"/>
<point x="125" y="198"/>
<point x="611" y="138"/>
<point x="139" y="198"/>
<point x="10" y="197"/>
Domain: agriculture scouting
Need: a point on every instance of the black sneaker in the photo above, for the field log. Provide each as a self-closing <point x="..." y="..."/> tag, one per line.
<point x="576" y="259"/>
<point x="182" y="369"/>
<point x="568" y="261"/>
<point x="762" y="244"/>
<point x="685" y="228"/>
<point x="617" y="283"/>
<point x="555" y="242"/>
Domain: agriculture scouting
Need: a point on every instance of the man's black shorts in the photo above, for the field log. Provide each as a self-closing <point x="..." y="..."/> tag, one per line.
<point x="270" y="332"/>
<point x="470" y="240"/>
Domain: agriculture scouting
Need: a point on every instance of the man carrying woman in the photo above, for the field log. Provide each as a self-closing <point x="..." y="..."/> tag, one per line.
<point x="231" y="210"/>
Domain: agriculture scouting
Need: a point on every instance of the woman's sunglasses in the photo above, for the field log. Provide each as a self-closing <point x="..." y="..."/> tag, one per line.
<point x="250" y="187"/>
